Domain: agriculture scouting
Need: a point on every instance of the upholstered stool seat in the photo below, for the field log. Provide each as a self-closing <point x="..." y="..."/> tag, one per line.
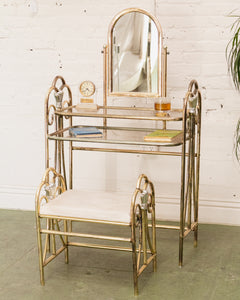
<point x="106" y="206"/>
<point x="59" y="209"/>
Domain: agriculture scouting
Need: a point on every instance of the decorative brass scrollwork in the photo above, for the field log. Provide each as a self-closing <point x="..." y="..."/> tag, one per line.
<point x="50" y="178"/>
<point x="53" y="122"/>
<point x="143" y="219"/>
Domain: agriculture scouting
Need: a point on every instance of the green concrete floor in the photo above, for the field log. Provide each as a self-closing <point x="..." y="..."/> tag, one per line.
<point x="211" y="272"/>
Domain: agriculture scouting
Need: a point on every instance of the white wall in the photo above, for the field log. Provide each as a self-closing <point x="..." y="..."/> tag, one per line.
<point x="66" y="38"/>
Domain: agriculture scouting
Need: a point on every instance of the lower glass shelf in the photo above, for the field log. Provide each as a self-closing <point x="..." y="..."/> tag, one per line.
<point x="114" y="135"/>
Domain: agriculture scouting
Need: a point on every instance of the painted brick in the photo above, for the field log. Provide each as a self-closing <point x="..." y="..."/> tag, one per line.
<point x="66" y="38"/>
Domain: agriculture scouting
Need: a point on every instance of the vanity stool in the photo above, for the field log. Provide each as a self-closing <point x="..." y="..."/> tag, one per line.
<point x="60" y="208"/>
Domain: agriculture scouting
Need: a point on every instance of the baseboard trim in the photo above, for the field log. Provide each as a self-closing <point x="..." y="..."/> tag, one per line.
<point x="17" y="197"/>
<point x="211" y="211"/>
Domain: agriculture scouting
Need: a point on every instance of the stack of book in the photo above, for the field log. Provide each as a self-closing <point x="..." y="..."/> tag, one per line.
<point x="165" y="136"/>
<point x="85" y="132"/>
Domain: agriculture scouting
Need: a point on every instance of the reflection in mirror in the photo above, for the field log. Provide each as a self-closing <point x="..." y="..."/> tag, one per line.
<point x="134" y="54"/>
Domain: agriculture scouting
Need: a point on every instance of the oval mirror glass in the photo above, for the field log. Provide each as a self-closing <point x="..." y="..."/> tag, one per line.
<point x="135" y="55"/>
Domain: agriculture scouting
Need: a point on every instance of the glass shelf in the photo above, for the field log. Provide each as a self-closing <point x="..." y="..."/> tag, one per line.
<point x="113" y="135"/>
<point x="118" y="112"/>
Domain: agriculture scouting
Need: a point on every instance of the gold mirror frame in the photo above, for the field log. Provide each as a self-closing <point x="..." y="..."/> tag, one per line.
<point x="161" y="90"/>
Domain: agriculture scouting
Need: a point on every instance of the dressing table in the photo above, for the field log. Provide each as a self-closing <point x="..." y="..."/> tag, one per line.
<point x="134" y="68"/>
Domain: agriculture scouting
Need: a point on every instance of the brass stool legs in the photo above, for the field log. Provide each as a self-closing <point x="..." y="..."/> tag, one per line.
<point x="141" y="221"/>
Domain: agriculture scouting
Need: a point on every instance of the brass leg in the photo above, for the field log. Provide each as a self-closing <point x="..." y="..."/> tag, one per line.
<point x="155" y="263"/>
<point x="194" y="183"/>
<point x="189" y="188"/>
<point x="197" y="179"/>
<point x="195" y="236"/>
<point x="70" y="166"/>
<point x="48" y="237"/>
<point x="46" y="247"/>
<point x="66" y="242"/>
<point x="59" y="147"/>
<point x="53" y="237"/>
<point x="63" y="165"/>
<point x="154" y="238"/>
<point x="40" y="253"/>
<point x="196" y="205"/>
<point x="182" y="205"/>
<point x="192" y="170"/>
<point x="180" y="251"/>
<point x="144" y="237"/>
<point x="135" y="277"/>
<point x="134" y="258"/>
<point x="56" y="146"/>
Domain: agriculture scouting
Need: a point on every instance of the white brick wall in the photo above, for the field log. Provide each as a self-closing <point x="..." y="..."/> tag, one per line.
<point x="66" y="38"/>
<point x="197" y="33"/>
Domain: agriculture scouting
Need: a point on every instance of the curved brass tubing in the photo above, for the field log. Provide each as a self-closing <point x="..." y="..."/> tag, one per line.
<point x="198" y="147"/>
<point x="60" y="187"/>
<point x="51" y="120"/>
<point x="193" y="84"/>
<point x="139" y="218"/>
<point x="68" y="102"/>
<point x="55" y="80"/>
<point x="190" y="173"/>
<point x="55" y="122"/>
<point x="50" y="176"/>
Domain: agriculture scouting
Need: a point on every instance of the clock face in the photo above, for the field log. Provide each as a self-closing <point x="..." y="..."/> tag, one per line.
<point x="87" y="88"/>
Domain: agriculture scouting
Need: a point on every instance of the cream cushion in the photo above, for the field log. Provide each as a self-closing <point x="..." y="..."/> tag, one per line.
<point x="107" y="206"/>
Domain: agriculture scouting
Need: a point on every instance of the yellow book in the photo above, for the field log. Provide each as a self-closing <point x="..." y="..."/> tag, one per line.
<point x="162" y="135"/>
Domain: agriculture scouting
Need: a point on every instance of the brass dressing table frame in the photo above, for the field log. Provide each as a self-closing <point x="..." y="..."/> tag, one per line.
<point x="125" y="139"/>
<point x="189" y="148"/>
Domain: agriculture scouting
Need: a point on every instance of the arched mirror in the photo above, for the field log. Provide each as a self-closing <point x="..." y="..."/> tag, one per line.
<point x="135" y="51"/>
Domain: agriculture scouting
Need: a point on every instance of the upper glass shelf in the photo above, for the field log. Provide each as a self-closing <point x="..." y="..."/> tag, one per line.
<point x="118" y="112"/>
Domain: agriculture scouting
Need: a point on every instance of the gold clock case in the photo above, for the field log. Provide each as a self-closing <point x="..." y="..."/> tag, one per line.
<point x="85" y="82"/>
